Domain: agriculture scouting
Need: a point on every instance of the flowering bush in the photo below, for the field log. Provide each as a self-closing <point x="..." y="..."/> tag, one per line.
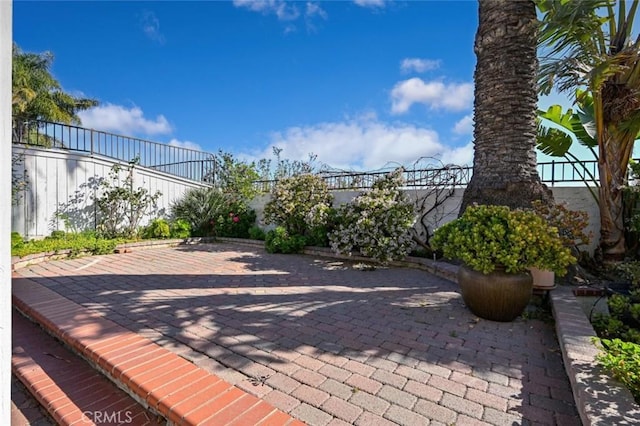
<point x="376" y="222"/>
<point x="236" y="222"/>
<point x="299" y="204"/>
<point x="488" y="236"/>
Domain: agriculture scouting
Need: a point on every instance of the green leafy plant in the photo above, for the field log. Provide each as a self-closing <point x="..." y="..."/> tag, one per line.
<point x="298" y="204"/>
<point x="235" y="221"/>
<point x="622" y="359"/>
<point x="200" y="208"/>
<point x="377" y="222"/>
<point x="279" y="240"/>
<point x="631" y="210"/>
<point x="235" y="177"/>
<point x="158" y="228"/>
<point x="85" y="242"/>
<point x="623" y="321"/>
<point x="121" y="207"/>
<point x="571" y="224"/>
<point x="486" y="237"/>
<point x="180" y="229"/>
<point x="16" y="240"/>
<point x="630" y="270"/>
<point x="257" y="233"/>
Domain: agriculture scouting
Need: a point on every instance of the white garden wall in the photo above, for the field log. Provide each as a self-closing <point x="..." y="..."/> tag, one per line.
<point x="60" y="181"/>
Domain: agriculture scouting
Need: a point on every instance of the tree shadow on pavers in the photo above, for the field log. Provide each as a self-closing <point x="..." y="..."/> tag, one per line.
<point x="271" y="312"/>
<point x="259" y="260"/>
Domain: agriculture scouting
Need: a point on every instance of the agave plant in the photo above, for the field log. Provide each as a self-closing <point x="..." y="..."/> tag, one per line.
<point x="199" y="207"/>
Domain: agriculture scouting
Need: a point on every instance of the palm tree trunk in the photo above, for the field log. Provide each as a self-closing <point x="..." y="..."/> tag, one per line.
<point x="612" y="166"/>
<point x="504" y="164"/>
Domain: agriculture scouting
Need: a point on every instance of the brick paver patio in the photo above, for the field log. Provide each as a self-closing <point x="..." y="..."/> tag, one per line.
<point x="326" y="342"/>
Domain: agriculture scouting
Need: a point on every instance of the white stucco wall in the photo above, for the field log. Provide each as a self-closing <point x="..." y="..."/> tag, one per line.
<point x="65" y="182"/>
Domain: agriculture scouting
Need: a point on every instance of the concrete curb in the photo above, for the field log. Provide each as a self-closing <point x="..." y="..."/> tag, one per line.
<point x="600" y="400"/>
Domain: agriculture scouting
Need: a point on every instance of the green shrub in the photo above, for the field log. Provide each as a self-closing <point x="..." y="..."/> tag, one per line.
<point x="158" y="228"/>
<point x="630" y="270"/>
<point x="102" y="246"/>
<point x="57" y="235"/>
<point x="120" y="206"/>
<point x="235" y="221"/>
<point x="16" y="240"/>
<point x="622" y="359"/>
<point x="487" y="236"/>
<point x="200" y="208"/>
<point x="624" y="319"/>
<point x="257" y="233"/>
<point x="299" y="203"/>
<point x="77" y="243"/>
<point x="318" y="236"/>
<point x="280" y="241"/>
<point x="180" y="229"/>
<point x="376" y="222"/>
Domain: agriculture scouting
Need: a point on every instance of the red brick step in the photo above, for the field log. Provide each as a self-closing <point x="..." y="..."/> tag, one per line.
<point x="159" y="380"/>
<point x="65" y="385"/>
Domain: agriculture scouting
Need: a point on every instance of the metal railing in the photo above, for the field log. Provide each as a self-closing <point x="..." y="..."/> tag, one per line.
<point x="551" y="173"/>
<point x="178" y="161"/>
<point x="202" y="167"/>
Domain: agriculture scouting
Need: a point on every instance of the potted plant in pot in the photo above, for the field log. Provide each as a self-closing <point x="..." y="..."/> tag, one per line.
<point x="571" y="225"/>
<point x="497" y="245"/>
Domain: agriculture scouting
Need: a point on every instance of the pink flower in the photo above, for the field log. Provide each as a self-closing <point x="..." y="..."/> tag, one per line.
<point x="236" y="219"/>
<point x="231" y="214"/>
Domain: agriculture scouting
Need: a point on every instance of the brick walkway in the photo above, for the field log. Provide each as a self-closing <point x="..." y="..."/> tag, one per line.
<point x="325" y="342"/>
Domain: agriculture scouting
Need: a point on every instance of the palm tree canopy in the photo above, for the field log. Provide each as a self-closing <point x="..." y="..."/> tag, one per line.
<point x="589" y="44"/>
<point x="37" y="95"/>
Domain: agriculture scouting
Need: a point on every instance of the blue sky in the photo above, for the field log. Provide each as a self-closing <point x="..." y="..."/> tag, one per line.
<point x="360" y="83"/>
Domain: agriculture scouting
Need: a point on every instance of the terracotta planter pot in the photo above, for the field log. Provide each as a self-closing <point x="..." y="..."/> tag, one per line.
<point x="497" y="296"/>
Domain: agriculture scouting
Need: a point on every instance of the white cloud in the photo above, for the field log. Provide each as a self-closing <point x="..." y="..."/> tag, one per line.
<point x="435" y="94"/>
<point x="151" y="26"/>
<point x="418" y="65"/>
<point x="185" y="144"/>
<point x="285" y="11"/>
<point x="313" y="9"/>
<point x="363" y="143"/>
<point x="127" y="121"/>
<point x="370" y="3"/>
<point x="464" y="126"/>
<point x="461" y="156"/>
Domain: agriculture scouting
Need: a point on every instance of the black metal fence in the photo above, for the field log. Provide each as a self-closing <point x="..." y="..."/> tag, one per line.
<point x="175" y="160"/>
<point x="551" y="173"/>
<point x="202" y="167"/>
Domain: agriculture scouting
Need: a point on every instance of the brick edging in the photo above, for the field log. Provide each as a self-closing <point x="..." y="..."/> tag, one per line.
<point x="599" y="399"/>
<point x="158" y="379"/>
